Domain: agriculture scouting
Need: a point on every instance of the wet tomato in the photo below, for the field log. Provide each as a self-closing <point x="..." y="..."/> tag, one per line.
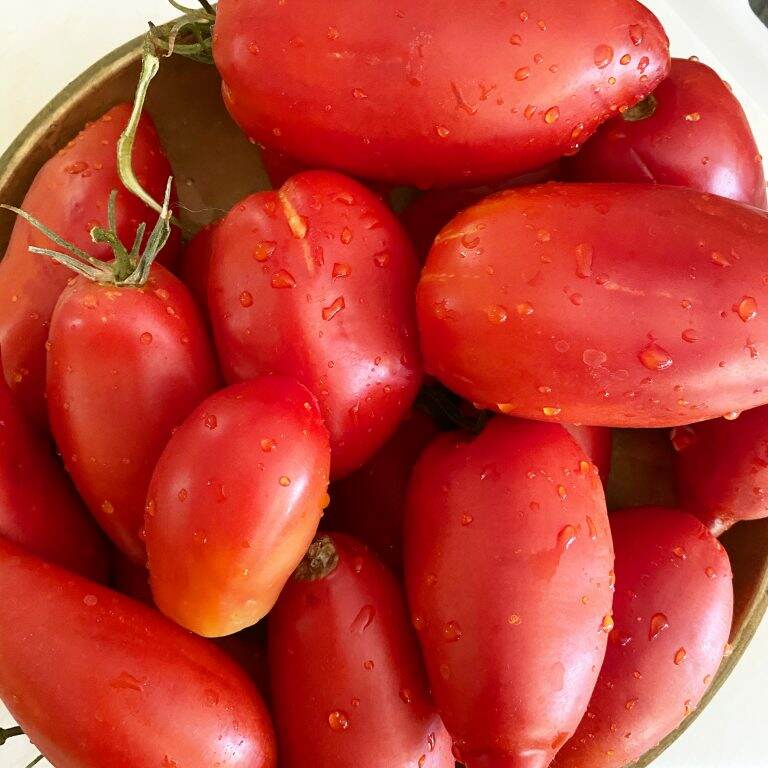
<point x="508" y="563"/>
<point x="195" y="263"/>
<point x="39" y="508"/>
<point x="672" y="615"/>
<point x="69" y="194"/>
<point x="234" y="503"/>
<point x="316" y="281"/>
<point x="722" y="469"/>
<point x="147" y="693"/>
<point x="597" y="443"/>
<point x="606" y="304"/>
<point x="691" y="132"/>
<point x="126" y="365"/>
<point x="347" y="681"/>
<point x="425" y="96"/>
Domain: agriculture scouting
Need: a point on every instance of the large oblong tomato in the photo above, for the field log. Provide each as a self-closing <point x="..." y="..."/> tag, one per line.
<point x="39" y="508"/>
<point x="126" y="365"/>
<point x="97" y="679"/>
<point x="234" y="502"/>
<point x="70" y="194"/>
<point x="432" y="93"/>
<point x="691" y="132"/>
<point x="348" y="686"/>
<point x="316" y="281"/>
<point x="607" y="304"/>
<point x="508" y="561"/>
<point x="672" y="614"/>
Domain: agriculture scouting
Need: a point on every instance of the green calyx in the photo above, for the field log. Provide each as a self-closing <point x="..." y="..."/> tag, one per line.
<point x="129" y="267"/>
<point x="190" y="36"/>
<point x="320" y="561"/>
<point x="642" y="110"/>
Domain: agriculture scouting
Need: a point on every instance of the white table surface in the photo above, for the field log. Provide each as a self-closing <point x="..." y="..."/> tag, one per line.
<point x="46" y="43"/>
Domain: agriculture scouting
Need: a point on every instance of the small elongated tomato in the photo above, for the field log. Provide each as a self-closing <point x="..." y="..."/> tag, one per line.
<point x="195" y="263"/>
<point x="69" y="194"/>
<point x="347" y="681"/>
<point x="125" y="367"/>
<point x="508" y="563"/>
<point x="607" y="304"/>
<point x="672" y="614"/>
<point x="316" y="281"/>
<point x="415" y="96"/>
<point x="722" y="469"/>
<point x="370" y="503"/>
<point x="234" y="502"/>
<point x="39" y="508"/>
<point x="690" y="132"/>
<point x="428" y="213"/>
<point x="597" y="443"/>
<point x="148" y="693"/>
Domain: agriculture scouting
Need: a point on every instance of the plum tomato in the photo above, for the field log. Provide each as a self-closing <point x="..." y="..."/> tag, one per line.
<point x="429" y="95"/>
<point x="234" y="502"/>
<point x="348" y="686"/>
<point x="508" y="562"/>
<point x="622" y="305"/>
<point x="195" y="264"/>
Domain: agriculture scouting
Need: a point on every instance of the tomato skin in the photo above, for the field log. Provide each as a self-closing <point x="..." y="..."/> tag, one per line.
<point x="70" y="195"/>
<point x="692" y="592"/>
<point x="39" y="508"/>
<point x="722" y="468"/>
<point x="147" y="693"/>
<point x="521" y="510"/>
<point x="597" y="443"/>
<point x="125" y="367"/>
<point x="131" y="578"/>
<point x="428" y="213"/>
<point x="613" y="304"/>
<point x="195" y="263"/>
<point x="370" y="503"/>
<point x="389" y="93"/>
<point x="321" y="634"/>
<point x="698" y="137"/>
<point x="329" y="302"/>
<point x="234" y="502"/>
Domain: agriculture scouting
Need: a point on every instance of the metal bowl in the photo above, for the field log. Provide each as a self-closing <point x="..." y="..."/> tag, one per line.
<point x="215" y="166"/>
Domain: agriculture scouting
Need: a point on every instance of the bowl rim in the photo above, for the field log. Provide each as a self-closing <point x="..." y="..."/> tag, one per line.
<point x="128" y="54"/>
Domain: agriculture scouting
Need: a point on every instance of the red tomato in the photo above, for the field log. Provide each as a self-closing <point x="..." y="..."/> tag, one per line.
<point x="431" y="94"/>
<point x="125" y="367"/>
<point x="316" y="281"/>
<point x="370" y="503"/>
<point x="195" y="263"/>
<point x="428" y="213"/>
<point x="722" y="469"/>
<point x="38" y="506"/>
<point x="597" y="443"/>
<point x="508" y="563"/>
<point x="672" y="613"/>
<point x="234" y="503"/>
<point x="606" y="304"/>
<point x="280" y="167"/>
<point x="70" y="195"/>
<point x="690" y="132"/>
<point x="347" y="681"/>
<point x="97" y="679"/>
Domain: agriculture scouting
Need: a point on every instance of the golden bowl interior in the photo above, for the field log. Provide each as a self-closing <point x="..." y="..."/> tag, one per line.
<point x="215" y="166"/>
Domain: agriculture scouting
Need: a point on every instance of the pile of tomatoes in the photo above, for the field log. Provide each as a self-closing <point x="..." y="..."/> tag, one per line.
<point x="434" y="389"/>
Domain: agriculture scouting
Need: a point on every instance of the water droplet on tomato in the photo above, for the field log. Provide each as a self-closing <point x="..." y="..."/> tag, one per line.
<point x="603" y="56"/>
<point x="363" y="620"/>
<point x="283" y="279"/>
<point x="331" y="311"/>
<point x="594" y="358"/>
<point x="497" y="314"/>
<point x="211" y="421"/>
<point x="607" y="623"/>
<point x="264" y="250"/>
<point x="267" y="444"/>
<point x="442" y="131"/>
<point x="284" y="480"/>
<point x="90" y="600"/>
<point x="746" y="309"/>
<point x="679" y="657"/>
<point x="406" y="695"/>
<point x="654" y="357"/>
<point x="338" y="720"/>
<point x="516" y="40"/>
<point x="625" y="59"/>
<point x="452" y="632"/>
<point x="658" y="624"/>
<point x="693" y="117"/>
<point x="524" y="309"/>
<point x="466" y="519"/>
<point x="710" y="572"/>
<point x="341" y="269"/>
<point x="368" y="665"/>
<point x="636" y="34"/>
<point x="566" y="537"/>
<point x="523" y="73"/>
<point x="146" y="338"/>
